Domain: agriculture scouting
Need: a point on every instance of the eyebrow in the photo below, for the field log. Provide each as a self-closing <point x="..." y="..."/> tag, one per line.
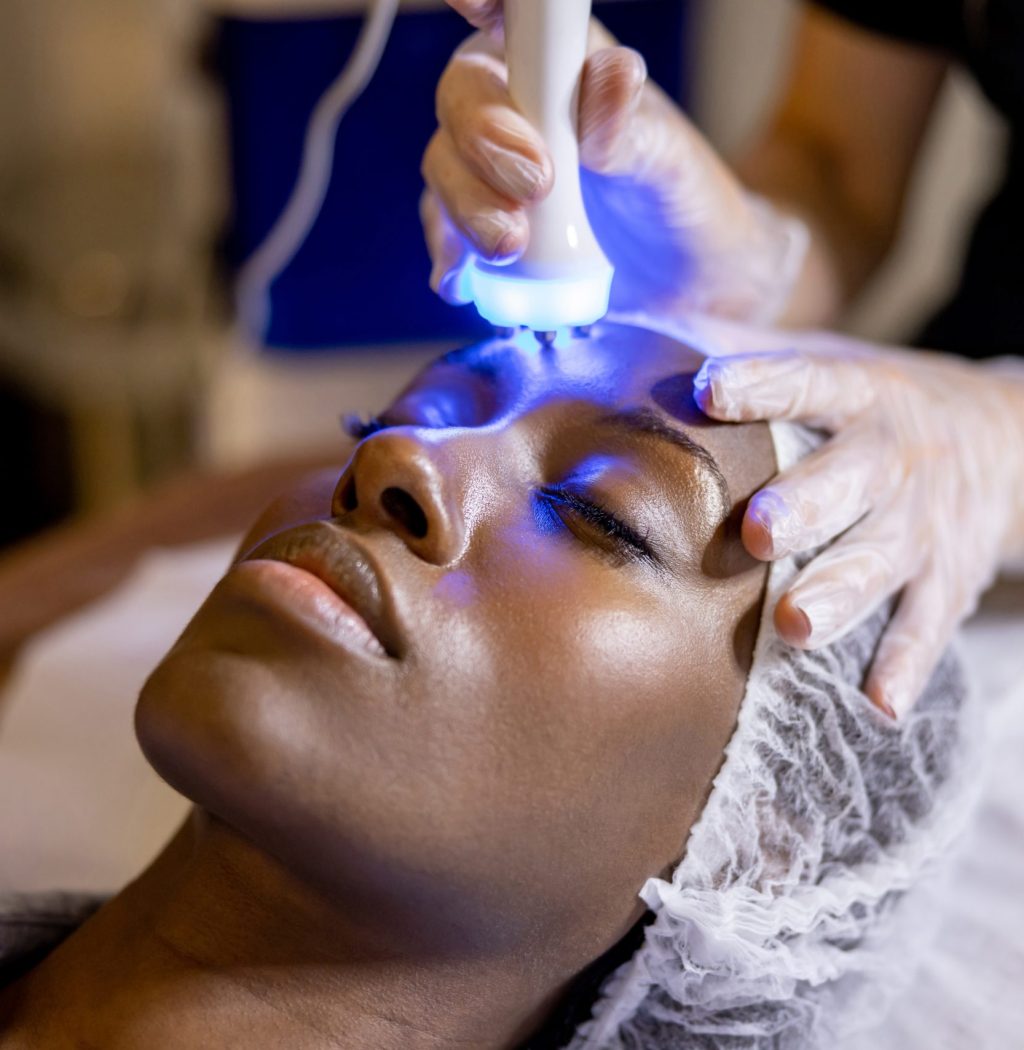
<point x="485" y="363"/>
<point x="648" y="422"/>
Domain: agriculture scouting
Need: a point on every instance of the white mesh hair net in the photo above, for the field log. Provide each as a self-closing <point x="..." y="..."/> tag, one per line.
<point x="802" y="897"/>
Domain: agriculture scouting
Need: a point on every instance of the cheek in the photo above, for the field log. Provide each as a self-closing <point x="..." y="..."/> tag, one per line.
<point x="627" y="685"/>
<point x="567" y="616"/>
<point x="610" y="714"/>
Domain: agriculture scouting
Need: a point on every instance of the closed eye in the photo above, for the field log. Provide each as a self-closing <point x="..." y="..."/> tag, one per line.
<point x="626" y="541"/>
<point x="426" y="416"/>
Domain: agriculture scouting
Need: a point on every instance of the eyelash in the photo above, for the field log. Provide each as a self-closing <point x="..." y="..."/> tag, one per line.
<point x="626" y="539"/>
<point x="360" y="429"/>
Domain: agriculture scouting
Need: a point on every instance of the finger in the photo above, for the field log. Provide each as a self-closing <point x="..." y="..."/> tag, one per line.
<point x="496" y="142"/>
<point x="823" y="495"/>
<point x="492" y="224"/>
<point x="610" y="92"/>
<point x="484" y="14"/>
<point x="447" y="251"/>
<point x="848" y="581"/>
<point x="918" y="634"/>
<point x="823" y="391"/>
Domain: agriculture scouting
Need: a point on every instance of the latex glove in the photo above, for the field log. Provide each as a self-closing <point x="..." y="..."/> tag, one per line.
<point x="679" y="228"/>
<point x="925" y="468"/>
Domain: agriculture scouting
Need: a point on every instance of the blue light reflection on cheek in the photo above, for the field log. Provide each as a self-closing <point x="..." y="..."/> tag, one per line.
<point x="456" y="589"/>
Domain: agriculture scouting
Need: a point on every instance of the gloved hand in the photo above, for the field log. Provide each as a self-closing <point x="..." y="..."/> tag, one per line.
<point x="679" y="228"/>
<point x="925" y="468"/>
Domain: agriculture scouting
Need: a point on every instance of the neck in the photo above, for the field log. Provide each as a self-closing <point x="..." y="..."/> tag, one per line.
<point x="216" y="945"/>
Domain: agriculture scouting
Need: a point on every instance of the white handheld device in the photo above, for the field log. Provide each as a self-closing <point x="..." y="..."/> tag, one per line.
<point x="564" y="278"/>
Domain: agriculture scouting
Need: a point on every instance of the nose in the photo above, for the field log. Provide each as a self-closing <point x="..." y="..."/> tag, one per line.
<point x="396" y="481"/>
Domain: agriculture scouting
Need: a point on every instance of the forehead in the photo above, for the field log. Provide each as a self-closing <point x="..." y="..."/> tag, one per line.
<point x="615" y="365"/>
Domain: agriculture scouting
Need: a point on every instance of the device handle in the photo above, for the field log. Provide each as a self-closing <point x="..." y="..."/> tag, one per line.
<point x="546" y="47"/>
<point x="563" y="279"/>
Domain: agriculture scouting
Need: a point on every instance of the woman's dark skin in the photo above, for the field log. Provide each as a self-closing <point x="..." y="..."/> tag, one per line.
<point x="419" y="839"/>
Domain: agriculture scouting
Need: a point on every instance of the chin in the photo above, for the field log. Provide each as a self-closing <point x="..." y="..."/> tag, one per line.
<point x="211" y="726"/>
<point x="201" y="721"/>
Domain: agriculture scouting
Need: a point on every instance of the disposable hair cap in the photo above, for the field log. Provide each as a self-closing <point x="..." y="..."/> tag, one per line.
<point x="805" y="891"/>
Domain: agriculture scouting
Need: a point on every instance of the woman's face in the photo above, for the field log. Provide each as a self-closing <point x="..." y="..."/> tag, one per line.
<point x="553" y="619"/>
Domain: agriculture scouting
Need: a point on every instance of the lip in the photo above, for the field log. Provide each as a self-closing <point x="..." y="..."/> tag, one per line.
<point x="329" y="553"/>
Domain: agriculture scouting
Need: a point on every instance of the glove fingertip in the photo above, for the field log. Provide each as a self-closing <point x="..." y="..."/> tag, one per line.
<point x="898" y="677"/>
<point x="880" y="695"/>
<point x="702" y="394"/>
<point x="709" y="394"/>
<point x="756" y="530"/>
<point x="902" y="667"/>
<point x="793" y="624"/>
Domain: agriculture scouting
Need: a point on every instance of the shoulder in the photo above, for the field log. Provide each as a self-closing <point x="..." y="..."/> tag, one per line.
<point x="931" y="23"/>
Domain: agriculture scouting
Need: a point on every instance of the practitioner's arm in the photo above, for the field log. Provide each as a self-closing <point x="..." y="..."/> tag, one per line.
<point x="839" y="151"/>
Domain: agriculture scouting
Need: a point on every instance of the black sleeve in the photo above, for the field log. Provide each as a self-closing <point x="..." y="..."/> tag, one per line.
<point x="932" y="23"/>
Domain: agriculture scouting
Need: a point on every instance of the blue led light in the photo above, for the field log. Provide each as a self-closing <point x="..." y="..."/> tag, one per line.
<point x="507" y="301"/>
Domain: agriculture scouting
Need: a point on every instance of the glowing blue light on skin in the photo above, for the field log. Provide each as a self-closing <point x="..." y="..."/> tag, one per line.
<point x="544" y="305"/>
<point x="526" y="341"/>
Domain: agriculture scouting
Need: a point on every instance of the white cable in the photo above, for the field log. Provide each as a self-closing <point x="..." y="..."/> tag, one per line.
<point x="292" y="227"/>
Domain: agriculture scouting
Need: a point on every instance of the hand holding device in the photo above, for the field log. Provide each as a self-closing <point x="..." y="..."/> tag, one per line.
<point x="678" y="227"/>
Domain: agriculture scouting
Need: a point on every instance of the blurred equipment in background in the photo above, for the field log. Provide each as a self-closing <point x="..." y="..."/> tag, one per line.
<point x="105" y="221"/>
<point x="316" y="171"/>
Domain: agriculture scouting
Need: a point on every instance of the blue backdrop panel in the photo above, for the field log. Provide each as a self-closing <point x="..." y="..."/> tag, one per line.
<point x="362" y="275"/>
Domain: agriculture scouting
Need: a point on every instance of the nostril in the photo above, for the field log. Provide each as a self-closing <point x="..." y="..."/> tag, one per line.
<point x="347" y="496"/>
<point x="400" y="506"/>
